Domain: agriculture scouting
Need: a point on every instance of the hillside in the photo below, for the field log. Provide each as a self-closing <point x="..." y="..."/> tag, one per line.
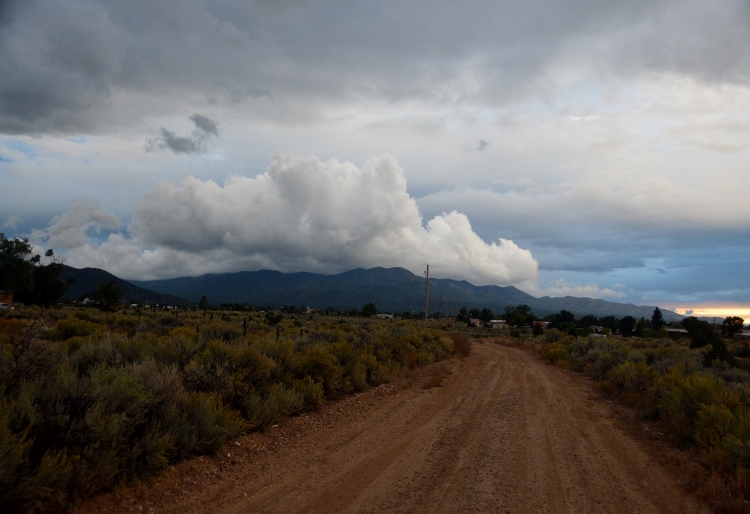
<point x="86" y="281"/>
<point x="390" y="289"/>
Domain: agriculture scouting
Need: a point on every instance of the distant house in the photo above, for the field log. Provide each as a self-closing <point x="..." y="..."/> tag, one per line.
<point x="496" y="324"/>
<point x="676" y="331"/>
<point x="6" y="296"/>
<point x="309" y="310"/>
<point x="384" y="316"/>
<point x="474" y="322"/>
<point x="543" y="324"/>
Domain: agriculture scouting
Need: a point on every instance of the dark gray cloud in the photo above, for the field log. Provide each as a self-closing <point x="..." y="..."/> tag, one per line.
<point x="204" y="124"/>
<point x="67" y="66"/>
<point x="205" y="129"/>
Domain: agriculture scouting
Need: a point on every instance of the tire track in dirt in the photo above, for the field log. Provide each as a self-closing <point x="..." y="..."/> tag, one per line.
<point x="504" y="433"/>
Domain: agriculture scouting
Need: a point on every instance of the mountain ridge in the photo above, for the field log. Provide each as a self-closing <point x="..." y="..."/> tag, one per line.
<point x="390" y="289"/>
<point x="86" y="280"/>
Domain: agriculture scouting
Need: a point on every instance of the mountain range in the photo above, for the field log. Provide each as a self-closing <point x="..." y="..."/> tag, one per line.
<point x="390" y="289"/>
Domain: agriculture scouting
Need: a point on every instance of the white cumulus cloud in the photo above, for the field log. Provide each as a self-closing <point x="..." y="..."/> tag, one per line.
<point x="564" y="288"/>
<point x="72" y="229"/>
<point x="301" y="214"/>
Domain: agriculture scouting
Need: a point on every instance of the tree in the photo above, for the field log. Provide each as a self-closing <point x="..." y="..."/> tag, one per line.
<point x="107" y="296"/>
<point x="203" y="303"/>
<point x="589" y="320"/>
<point x="48" y="288"/>
<point x="732" y="325"/>
<point x="17" y="267"/>
<point x="627" y="324"/>
<point x="657" y="320"/>
<point x="485" y="316"/>
<point x="512" y="310"/>
<point x="565" y="321"/>
<point x="702" y="334"/>
<point x="610" y="322"/>
<point x="519" y="316"/>
<point x="23" y="273"/>
<point x="463" y="315"/>
<point x="369" y="310"/>
<point x="640" y="326"/>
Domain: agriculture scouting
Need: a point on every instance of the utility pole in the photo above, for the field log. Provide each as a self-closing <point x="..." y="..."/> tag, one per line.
<point x="426" y="292"/>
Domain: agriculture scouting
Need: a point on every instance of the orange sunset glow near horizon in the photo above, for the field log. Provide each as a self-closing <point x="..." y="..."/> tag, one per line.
<point x="715" y="311"/>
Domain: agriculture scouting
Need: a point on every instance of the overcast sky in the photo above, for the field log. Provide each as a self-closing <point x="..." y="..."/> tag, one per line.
<point x="589" y="148"/>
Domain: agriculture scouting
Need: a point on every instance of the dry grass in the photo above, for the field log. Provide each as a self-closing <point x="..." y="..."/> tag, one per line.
<point x="461" y="344"/>
<point x="436" y="374"/>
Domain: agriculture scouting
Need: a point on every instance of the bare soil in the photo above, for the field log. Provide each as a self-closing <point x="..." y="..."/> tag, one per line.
<point x="499" y="431"/>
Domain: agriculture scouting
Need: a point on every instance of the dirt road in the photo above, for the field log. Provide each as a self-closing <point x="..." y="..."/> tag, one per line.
<point x="505" y="432"/>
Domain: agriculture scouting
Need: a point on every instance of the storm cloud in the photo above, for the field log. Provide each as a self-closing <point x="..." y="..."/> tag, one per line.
<point x="80" y="66"/>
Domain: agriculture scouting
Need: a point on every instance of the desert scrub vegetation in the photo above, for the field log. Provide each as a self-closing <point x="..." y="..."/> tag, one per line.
<point x="90" y="399"/>
<point x="461" y="344"/>
<point x="701" y="403"/>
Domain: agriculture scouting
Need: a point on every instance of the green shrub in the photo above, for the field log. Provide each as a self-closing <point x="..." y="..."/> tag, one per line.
<point x="633" y="376"/>
<point x="311" y="392"/>
<point x="737" y="442"/>
<point x="67" y="328"/>
<point x="553" y="335"/>
<point x="207" y="424"/>
<point x="712" y="425"/>
<point x="381" y="374"/>
<point x="319" y="364"/>
<point x="682" y="396"/>
<point x="554" y="352"/>
<point x="80" y="415"/>
<point x="73" y="344"/>
<point x="597" y="356"/>
<point x="278" y="403"/>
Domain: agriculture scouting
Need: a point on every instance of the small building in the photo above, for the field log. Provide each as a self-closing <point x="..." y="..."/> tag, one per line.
<point x="384" y="316"/>
<point x="496" y="324"/>
<point x="474" y="322"/>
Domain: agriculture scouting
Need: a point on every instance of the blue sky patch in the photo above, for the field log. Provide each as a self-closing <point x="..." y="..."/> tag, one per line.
<point x="20" y="146"/>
